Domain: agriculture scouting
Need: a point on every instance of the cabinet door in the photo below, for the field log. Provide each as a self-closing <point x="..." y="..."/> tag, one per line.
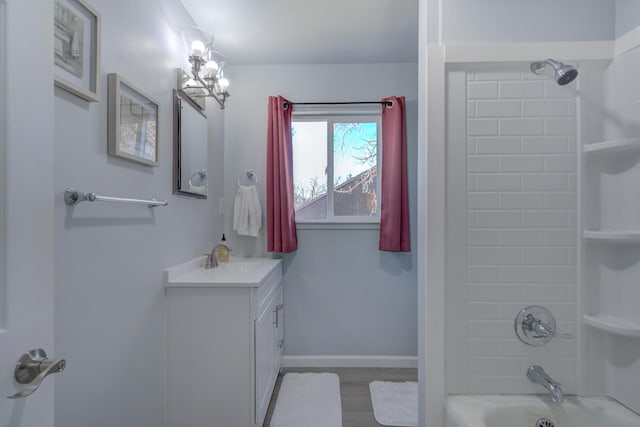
<point x="279" y="333"/>
<point x="266" y="351"/>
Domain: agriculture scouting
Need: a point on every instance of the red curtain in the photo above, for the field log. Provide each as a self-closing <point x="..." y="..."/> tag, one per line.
<point x="394" y="205"/>
<point x="281" y="222"/>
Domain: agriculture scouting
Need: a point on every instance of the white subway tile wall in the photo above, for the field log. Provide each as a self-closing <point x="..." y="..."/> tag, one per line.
<point x="521" y="228"/>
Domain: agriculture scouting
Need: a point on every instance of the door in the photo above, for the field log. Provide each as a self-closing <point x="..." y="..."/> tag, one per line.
<point x="26" y="202"/>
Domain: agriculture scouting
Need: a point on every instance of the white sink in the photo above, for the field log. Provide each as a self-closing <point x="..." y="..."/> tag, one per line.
<point x="237" y="272"/>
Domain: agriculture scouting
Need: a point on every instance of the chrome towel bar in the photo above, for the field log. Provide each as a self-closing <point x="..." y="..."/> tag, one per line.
<point x="73" y="197"/>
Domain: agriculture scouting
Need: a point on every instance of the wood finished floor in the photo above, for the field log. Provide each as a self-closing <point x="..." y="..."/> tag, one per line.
<point x="357" y="410"/>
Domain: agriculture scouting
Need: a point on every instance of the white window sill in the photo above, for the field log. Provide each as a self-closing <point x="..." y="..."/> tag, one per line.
<point x="338" y="225"/>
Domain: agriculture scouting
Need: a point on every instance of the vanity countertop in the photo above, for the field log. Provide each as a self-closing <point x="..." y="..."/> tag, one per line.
<point x="237" y="272"/>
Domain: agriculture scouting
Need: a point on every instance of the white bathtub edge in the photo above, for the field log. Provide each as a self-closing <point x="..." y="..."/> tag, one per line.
<point x="474" y="410"/>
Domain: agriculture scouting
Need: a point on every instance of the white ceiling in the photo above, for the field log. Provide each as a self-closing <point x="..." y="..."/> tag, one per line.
<point x="310" y="31"/>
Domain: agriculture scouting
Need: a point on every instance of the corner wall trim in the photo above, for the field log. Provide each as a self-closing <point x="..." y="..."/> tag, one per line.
<point x="350" y="361"/>
<point x="627" y="41"/>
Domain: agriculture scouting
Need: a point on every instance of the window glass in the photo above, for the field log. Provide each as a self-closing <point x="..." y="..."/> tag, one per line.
<point x="335" y="165"/>
<point x="310" y="169"/>
<point x="355" y="153"/>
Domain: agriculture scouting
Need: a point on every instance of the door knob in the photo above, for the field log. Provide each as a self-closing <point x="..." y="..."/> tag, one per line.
<point x="32" y="368"/>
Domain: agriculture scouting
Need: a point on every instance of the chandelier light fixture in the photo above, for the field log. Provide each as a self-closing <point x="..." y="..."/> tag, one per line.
<point x="207" y="68"/>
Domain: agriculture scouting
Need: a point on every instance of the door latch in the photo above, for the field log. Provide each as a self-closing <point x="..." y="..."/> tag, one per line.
<point x="32" y="368"/>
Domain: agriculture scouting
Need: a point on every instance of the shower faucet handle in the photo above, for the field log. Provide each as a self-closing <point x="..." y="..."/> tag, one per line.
<point x="541" y="329"/>
<point x="535" y="325"/>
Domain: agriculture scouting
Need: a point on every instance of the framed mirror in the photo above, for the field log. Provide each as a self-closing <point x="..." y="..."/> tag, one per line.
<point x="190" y="147"/>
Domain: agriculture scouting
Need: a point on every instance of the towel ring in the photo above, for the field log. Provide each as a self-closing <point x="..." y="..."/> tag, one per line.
<point x="251" y="178"/>
<point x="202" y="187"/>
<point x="201" y="173"/>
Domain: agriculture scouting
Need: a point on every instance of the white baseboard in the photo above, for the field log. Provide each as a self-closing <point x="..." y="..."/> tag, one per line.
<point x="350" y="362"/>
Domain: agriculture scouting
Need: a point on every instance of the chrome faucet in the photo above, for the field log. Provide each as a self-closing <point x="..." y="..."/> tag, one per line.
<point x="536" y="374"/>
<point x="212" y="258"/>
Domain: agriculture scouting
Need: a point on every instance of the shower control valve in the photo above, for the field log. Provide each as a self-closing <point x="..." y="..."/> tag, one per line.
<point x="535" y="325"/>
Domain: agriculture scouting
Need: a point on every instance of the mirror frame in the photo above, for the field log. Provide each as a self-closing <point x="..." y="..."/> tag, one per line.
<point x="178" y="98"/>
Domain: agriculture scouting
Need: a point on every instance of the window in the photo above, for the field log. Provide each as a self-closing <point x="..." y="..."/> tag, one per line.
<point x="335" y="168"/>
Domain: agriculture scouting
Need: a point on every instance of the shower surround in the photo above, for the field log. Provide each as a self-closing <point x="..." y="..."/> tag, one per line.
<point x="517" y="242"/>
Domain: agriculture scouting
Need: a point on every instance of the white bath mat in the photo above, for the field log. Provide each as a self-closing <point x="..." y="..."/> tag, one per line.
<point x="395" y="403"/>
<point x="308" y="400"/>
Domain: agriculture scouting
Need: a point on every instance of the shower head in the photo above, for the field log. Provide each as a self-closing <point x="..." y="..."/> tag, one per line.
<point x="564" y="74"/>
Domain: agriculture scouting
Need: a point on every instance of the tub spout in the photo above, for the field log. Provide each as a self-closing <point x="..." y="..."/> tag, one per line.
<point x="537" y="375"/>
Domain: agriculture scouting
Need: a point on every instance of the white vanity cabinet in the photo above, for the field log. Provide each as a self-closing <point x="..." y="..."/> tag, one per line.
<point x="224" y="345"/>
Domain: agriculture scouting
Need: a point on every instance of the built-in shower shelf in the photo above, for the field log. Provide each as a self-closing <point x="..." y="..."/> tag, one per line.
<point x="613" y="236"/>
<point x="613" y="324"/>
<point x="614" y="146"/>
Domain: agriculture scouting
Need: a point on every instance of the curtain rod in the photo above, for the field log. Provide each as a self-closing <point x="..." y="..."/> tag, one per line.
<point x="387" y="103"/>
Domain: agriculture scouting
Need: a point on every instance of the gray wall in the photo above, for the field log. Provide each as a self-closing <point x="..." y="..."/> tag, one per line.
<point x="109" y="258"/>
<point x="627" y="16"/>
<point x="515" y="21"/>
<point x="343" y="296"/>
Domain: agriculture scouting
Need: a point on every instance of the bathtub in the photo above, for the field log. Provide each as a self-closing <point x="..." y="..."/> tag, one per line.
<point x="536" y="411"/>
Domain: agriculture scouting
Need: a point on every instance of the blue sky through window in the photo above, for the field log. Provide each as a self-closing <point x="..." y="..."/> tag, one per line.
<point x="354" y="149"/>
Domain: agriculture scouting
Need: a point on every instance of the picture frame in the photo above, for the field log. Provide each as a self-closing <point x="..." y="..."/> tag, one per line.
<point x="76" y="57"/>
<point x="132" y="123"/>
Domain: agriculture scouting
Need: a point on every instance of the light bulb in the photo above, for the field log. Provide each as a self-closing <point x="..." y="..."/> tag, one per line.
<point x="197" y="48"/>
<point x="211" y="67"/>
<point x="224" y="84"/>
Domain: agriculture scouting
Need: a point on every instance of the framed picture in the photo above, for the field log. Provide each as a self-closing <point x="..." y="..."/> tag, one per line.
<point x="132" y="125"/>
<point x="76" y="57"/>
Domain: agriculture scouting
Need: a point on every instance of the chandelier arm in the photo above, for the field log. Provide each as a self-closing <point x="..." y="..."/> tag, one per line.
<point x="208" y="89"/>
<point x="209" y="83"/>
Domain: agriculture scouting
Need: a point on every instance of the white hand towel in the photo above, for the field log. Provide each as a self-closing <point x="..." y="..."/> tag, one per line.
<point x="247" y="212"/>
